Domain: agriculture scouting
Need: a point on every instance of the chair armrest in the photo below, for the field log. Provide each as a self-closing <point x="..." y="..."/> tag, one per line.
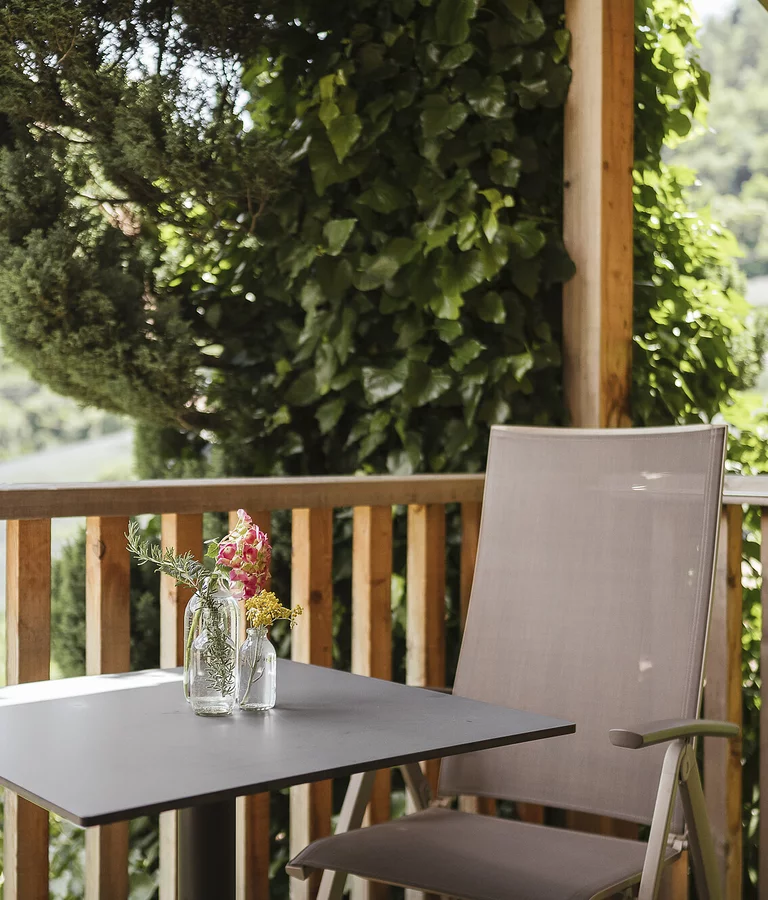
<point x="669" y="730"/>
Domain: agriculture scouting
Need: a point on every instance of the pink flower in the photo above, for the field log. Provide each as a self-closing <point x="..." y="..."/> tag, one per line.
<point x="227" y="553"/>
<point x="244" y="517"/>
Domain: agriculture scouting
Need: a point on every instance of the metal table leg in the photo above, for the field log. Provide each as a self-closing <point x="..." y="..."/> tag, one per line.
<point x="206" y="863"/>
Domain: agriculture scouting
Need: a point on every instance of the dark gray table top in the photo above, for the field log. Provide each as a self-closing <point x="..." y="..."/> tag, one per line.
<point x="110" y="747"/>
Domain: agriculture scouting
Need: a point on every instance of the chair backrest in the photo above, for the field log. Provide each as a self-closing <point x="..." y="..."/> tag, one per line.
<point x="590" y="601"/>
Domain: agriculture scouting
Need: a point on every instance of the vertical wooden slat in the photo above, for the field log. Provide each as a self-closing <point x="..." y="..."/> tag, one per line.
<point x="107" y="649"/>
<point x="722" y="700"/>
<point x="183" y="533"/>
<point x="28" y="658"/>
<point x="598" y="212"/>
<point x="425" y="627"/>
<point x="470" y="535"/>
<point x="372" y="641"/>
<point x="312" y="642"/>
<point x="253" y="846"/>
<point x="762" y="877"/>
<point x="674" y="882"/>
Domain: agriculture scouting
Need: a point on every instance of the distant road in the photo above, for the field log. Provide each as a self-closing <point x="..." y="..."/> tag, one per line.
<point x="87" y="460"/>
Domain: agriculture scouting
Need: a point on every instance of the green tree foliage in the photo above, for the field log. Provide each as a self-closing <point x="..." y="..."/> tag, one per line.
<point x="729" y="152"/>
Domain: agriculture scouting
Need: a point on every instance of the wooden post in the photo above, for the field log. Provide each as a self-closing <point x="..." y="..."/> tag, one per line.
<point x="183" y="533"/>
<point x="312" y="642"/>
<point x="372" y="641"/>
<point x="598" y="212"/>
<point x="28" y="658"/>
<point x="107" y="650"/>
<point x="722" y="700"/>
<point x="425" y="626"/>
<point x="253" y="844"/>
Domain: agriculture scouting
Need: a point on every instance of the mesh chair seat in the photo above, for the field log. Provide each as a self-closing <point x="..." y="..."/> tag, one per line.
<point x="481" y="858"/>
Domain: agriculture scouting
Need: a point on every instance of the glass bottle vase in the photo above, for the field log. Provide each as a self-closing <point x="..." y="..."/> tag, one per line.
<point x="192" y="625"/>
<point x="213" y="663"/>
<point x="257" y="671"/>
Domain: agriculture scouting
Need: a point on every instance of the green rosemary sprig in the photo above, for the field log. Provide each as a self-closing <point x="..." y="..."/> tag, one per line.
<point x="186" y="570"/>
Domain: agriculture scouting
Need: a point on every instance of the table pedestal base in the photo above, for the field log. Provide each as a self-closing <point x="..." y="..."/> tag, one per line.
<point x="207" y="852"/>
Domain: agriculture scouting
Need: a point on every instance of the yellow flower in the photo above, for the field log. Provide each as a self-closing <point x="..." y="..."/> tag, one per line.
<point x="264" y="609"/>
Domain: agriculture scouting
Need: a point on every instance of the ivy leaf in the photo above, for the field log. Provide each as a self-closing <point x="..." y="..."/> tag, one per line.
<point x="449" y="330"/>
<point x="563" y="43"/>
<point x="490" y="225"/>
<point x="504" y="169"/>
<point x="377" y="273"/>
<point x="381" y="384"/>
<point x="440" y="116"/>
<point x="518" y="8"/>
<point x="490" y="308"/>
<point x="328" y="112"/>
<point x="383" y="197"/>
<point x="425" y="384"/>
<point x="336" y="233"/>
<point x="521" y="363"/>
<point x="303" y="391"/>
<point x="452" y="20"/>
<point x="464" y="354"/>
<point x="327" y="170"/>
<point x="447" y="305"/>
<point x="456" y="57"/>
<point x="527" y="236"/>
<point x="329" y="413"/>
<point x="343" y="132"/>
<point x="490" y="98"/>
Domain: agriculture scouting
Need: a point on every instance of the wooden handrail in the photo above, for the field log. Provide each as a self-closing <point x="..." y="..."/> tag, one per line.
<point x="131" y="498"/>
<point x="34" y="501"/>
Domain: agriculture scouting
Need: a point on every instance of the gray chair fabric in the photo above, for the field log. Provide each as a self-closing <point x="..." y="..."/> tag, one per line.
<point x="590" y="601"/>
<point x="463" y="855"/>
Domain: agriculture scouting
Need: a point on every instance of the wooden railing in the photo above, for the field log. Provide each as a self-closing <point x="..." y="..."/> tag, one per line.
<point x="107" y="507"/>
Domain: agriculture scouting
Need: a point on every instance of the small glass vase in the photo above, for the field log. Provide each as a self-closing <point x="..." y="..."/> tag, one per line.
<point x="213" y="664"/>
<point x="257" y="671"/>
<point x="192" y="626"/>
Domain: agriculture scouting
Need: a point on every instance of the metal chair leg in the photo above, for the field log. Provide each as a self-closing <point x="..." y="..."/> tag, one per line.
<point x="653" y="867"/>
<point x="701" y="845"/>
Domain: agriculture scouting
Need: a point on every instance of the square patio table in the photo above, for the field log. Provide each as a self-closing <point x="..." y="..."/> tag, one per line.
<point x="105" y="748"/>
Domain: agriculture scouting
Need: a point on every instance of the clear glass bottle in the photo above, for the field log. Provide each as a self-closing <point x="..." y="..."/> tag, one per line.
<point x="257" y="671"/>
<point x="192" y="626"/>
<point x="213" y="663"/>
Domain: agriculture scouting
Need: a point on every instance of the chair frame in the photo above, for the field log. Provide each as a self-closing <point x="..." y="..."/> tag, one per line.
<point x="679" y="772"/>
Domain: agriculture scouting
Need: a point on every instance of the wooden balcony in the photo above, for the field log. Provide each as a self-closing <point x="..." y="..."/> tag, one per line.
<point x="312" y="501"/>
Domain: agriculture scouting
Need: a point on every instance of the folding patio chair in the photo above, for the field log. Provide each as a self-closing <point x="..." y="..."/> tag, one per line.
<point x="590" y="601"/>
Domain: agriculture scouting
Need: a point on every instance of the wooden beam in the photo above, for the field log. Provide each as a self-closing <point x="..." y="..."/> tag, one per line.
<point x="425" y="625"/>
<point x="722" y="700"/>
<point x="598" y="212"/>
<point x="28" y="658"/>
<point x="107" y="650"/>
<point x="253" y="830"/>
<point x="183" y="533"/>
<point x="372" y="642"/>
<point x="311" y="642"/>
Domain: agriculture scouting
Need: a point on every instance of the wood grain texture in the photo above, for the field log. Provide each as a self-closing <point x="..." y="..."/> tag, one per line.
<point x="107" y="650"/>
<point x="598" y="211"/>
<point x="674" y="882"/>
<point x="133" y="498"/>
<point x="252" y="812"/>
<point x="425" y="626"/>
<point x="722" y="700"/>
<point x="311" y="642"/>
<point x="183" y="533"/>
<point x="28" y="658"/>
<point x="372" y="642"/>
